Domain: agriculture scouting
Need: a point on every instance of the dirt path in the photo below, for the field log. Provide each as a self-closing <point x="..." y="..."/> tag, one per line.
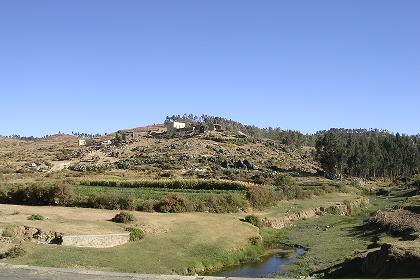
<point x="59" y="165"/>
<point x="40" y="273"/>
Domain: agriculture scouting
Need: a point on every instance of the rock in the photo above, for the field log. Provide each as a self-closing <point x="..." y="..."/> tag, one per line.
<point x="239" y="165"/>
<point x="248" y="164"/>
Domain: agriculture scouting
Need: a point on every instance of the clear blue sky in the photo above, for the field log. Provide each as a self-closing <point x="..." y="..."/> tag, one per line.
<point x="98" y="66"/>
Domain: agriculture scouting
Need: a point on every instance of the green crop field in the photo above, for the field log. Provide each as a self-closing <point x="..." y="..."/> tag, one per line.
<point x="150" y="193"/>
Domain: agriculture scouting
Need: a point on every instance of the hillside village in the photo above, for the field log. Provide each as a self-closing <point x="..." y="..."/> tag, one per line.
<point x="171" y="150"/>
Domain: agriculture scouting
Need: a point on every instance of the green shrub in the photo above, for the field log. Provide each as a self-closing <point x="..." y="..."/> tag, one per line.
<point x="116" y="201"/>
<point x="126" y="202"/>
<point x="123" y="217"/>
<point x="223" y="203"/>
<point x="148" y="205"/>
<point x="259" y="197"/>
<point x="61" y="194"/>
<point x="35" y="194"/>
<point x="36" y="217"/>
<point x="175" y="203"/>
<point x="254" y="220"/>
<point x="29" y="195"/>
<point x="135" y="233"/>
<point x="284" y="179"/>
<point x="255" y="240"/>
<point x="294" y="192"/>
<point x="101" y="201"/>
<point x="333" y="210"/>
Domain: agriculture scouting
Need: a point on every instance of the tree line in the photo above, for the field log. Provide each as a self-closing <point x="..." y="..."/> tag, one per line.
<point x="287" y="137"/>
<point x="367" y="153"/>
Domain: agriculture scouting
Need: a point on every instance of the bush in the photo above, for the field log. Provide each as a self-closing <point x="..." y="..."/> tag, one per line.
<point x="126" y="202"/>
<point x="255" y="240"/>
<point x="294" y="192"/>
<point x="36" y="217"/>
<point x="254" y="220"/>
<point x="259" y="197"/>
<point x="148" y="205"/>
<point x="61" y="194"/>
<point x="123" y="217"/>
<point x="3" y="196"/>
<point x="13" y="252"/>
<point x="29" y="195"/>
<point x="109" y="201"/>
<point x="175" y="203"/>
<point x="101" y="201"/>
<point x="333" y="210"/>
<point x="284" y="179"/>
<point x="222" y="203"/>
<point x="197" y="184"/>
<point x="135" y="233"/>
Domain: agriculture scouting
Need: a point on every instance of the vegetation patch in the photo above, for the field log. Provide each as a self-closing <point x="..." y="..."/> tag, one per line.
<point x="36" y="217"/>
<point x="135" y="233"/>
<point x="197" y="184"/>
<point x="124" y="217"/>
<point x="175" y="203"/>
<point x="254" y="220"/>
<point x="14" y="252"/>
<point x="260" y="197"/>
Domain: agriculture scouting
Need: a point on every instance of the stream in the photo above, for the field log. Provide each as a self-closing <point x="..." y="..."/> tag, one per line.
<point x="267" y="266"/>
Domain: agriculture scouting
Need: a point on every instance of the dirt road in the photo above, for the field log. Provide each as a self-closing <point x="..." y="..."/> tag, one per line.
<point x="8" y="272"/>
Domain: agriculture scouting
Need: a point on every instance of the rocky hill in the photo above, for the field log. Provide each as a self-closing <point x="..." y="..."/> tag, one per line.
<point x="150" y="152"/>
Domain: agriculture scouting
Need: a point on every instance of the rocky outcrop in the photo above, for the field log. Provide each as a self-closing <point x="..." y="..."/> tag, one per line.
<point x="280" y="223"/>
<point x="33" y="234"/>
<point x="96" y="241"/>
<point x="390" y="261"/>
<point x="396" y="221"/>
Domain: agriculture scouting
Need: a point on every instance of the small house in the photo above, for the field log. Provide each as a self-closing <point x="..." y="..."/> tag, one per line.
<point x="105" y="143"/>
<point x="174" y="126"/>
<point x="82" y="142"/>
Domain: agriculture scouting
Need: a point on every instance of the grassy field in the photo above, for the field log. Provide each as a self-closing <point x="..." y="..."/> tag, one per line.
<point x="330" y="239"/>
<point x="213" y="240"/>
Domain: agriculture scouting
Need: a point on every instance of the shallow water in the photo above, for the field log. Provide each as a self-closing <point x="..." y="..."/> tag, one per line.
<point x="267" y="267"/>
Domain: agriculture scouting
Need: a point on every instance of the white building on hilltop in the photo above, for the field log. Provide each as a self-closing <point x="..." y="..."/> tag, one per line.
<point x="174" y="126"/>
<point x="82" y="142"/>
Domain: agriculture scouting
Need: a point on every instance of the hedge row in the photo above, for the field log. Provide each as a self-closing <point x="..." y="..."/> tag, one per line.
<point x="63" y="195"/>
<point x="257" y="197"/>
<point x="197" y="184"/>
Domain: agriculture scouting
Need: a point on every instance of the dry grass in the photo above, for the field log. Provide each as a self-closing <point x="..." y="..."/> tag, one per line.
<point x="173" y="242"/>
